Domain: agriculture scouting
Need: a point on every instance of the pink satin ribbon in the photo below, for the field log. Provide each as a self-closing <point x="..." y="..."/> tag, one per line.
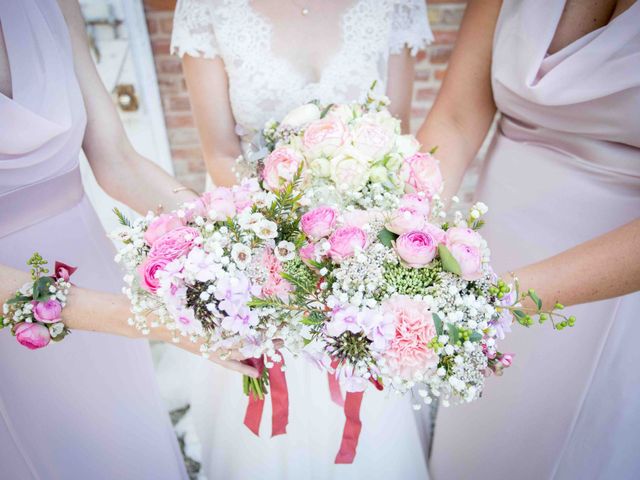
<point x="352" y="427"/>
<point x="279" y="400"/>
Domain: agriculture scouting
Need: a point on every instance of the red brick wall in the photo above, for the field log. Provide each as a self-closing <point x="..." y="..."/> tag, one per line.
<point x="444" y="17"/>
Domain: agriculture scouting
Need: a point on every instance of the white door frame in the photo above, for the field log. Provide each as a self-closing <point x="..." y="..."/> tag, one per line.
<point x="142" y="55"/>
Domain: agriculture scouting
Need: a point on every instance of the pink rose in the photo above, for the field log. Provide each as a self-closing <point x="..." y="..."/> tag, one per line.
<point x="408" y="353"/>
<point x="345" y="241"/>
<point x="221" y="202"/>
<point x="32" y="335"/>
<point x="280" y="167"/>
<point x="47" y="312"/>
<point x="420" y="203"/>
<point x="416" y="248"/>
<point x="174" y="244"/>
<point x="323" y="137"/>
<point x="360" y="218"/>
<point x="161" y="225"/>
<point x="465" y="246"/>
<point x="436" y="232"/>
<point x="308" y="253"/>
<point x="421" y="173"/>
<point x="318" y="223"/>
<point x="243" y="194"/>
<point x="148" y="272"/>
<point x="372" y="140"/>
<point x="404" y="220"/>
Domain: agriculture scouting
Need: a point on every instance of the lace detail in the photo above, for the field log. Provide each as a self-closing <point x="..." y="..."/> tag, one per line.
<point x="193" y="32"/>
<point x="410" y="27"/>
<point x="264" y="85"/>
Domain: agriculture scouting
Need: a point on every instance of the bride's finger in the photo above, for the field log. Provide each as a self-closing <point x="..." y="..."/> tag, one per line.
<point x="237" y="366"/>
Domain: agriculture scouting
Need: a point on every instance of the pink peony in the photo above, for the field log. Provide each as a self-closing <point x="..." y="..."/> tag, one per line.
<point x="47" y="312"/>
<point x="421" y="173"/>
<point x="161" y="225"/>
<point x="416" y="248"/>
<point x="280" y="167"/>
<point x="465" y="246"/>
<point x="318" y="223"/>
<point x="420" y="203"/>
<point x="408" y="353"/>
<point x="221" y="203"/>
<point x="323" y="137"/>
<point x="404" y="220"/>
<point x="32" y="335"/>
<point x="373" y="140"/>
<point x="148" y="272"/>
<point x="345" y="241"/>
<point x="174" y="244"/>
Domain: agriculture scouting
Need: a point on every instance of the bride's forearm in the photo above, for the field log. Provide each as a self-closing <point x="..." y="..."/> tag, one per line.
<point x="604" y="267"/>
<point x="220" y="169"/>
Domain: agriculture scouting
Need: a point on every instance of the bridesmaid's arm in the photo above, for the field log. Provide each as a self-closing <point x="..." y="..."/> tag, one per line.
<point x="208" y="88"/>
<point x="604" y="267"/>
<point x="94" y="311"/>
<point x="464" y="108"/>
<point x="119" y="169"/>
<point x="400" y="86"/>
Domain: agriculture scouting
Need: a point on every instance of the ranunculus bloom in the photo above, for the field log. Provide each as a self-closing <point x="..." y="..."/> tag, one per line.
<point x="345" y="241"/>
<point x="47" y="312"/>
<point x="421" y="173"/>
<point x="349" y="170"/>
<point x="436" y="232"/>
<point x="416" y="248"/>
<point x="175" y="243"/>
<point x="161" y="225"/>
<point x="280" y="167"/>
<point x="465" y="245"/>
<point x="301" y="116"/>
<point x="323" y="137"/>
<point x="220" y="203"/>
<point x="404" y="220"/>
<point x="148" y="271"/>
<point x="318" y="223"/>
<point x="372" y="139"/>
<point x="420" y="203"/>
<point x="32" y="335"/>
<point x="408" y="352"/>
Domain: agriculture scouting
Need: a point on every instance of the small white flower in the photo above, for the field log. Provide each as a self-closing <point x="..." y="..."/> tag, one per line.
<point x="285" y="251"/>
<point x="56" y="329"/>
<point x="266" y="229"/>
<point x="241" y="255"/>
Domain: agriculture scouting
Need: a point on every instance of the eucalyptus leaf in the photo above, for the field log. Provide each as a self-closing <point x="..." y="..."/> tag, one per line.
<point x="41" y="289"/>
<point x="454" y="333"/>
<point x="449" y="263"/>
<point x="18" y="299"/>
<point x="386" y="237"/>
<point x="536" y="299"/>
<point x="438" y="323"/>
<point x="475" y="337"/>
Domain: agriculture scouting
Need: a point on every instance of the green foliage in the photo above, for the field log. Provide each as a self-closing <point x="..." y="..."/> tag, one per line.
<point x="449" y="263"/>
<point x="124" y="221"/>
<point x="438" y="323"/>
<point x="300" y="275"/>
<point x="41" y="289"/>
<point x="326" y="110"/>
<point x="386" y="237"/>
<point x="38" y="266"/>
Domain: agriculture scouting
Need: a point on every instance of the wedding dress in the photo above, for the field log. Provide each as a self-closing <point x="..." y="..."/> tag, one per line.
<point x="259" y="50"/>
<point x="87" y="408"/>
<point x="564" y="167"/>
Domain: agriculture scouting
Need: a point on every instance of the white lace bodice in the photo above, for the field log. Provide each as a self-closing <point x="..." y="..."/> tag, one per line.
<point x="265" y="84"/>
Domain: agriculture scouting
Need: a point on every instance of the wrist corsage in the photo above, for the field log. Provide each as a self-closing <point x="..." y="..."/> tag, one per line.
<point x="34" y="313"/>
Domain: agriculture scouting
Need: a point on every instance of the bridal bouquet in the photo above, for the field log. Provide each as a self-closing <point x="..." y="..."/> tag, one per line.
<point x="198" y="268"/>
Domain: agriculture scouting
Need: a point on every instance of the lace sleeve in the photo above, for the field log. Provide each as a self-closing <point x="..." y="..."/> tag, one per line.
<point x="193" y="33"/>
<point x="410" y="27"/>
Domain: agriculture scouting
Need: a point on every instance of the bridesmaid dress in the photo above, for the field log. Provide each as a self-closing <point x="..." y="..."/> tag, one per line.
<point x="564" y="167"/>
<point x="87" y="407"/>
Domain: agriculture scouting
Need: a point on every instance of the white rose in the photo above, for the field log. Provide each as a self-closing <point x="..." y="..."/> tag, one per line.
<point x="378" y="174"/>
<point x="407" y="145"/>
<point x="349" y="170"/>
<point x="320" y="167"/>
<point x="343" y="112"/>
<point x="302" y="115"/>
<point x="372" y="139"/>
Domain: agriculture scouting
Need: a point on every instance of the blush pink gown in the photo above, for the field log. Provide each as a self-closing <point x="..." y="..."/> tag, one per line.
<point x="87" y="408"/>
<point x="564" y="167"/>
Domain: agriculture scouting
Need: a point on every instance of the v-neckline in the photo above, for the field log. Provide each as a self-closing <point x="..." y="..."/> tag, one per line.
<point x="3" y="33"/>
<point x="581" y="38"/>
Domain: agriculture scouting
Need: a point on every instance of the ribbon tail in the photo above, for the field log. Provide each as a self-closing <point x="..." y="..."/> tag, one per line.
<point x="253" y="414"/>
<point x="352" y="427"/>
<point x="334" y="390"/>
<point x="279" y="399"/>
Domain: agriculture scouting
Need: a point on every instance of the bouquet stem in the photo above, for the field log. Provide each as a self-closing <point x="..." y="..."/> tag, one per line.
<point x="256" y="387"/>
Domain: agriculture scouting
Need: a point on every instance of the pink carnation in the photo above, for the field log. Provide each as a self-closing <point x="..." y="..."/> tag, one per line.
<point x="408" y="353"/>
